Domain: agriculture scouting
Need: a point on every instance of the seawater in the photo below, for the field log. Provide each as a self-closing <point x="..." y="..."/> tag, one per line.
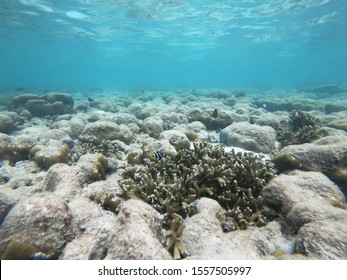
<point x="172" y="44"/>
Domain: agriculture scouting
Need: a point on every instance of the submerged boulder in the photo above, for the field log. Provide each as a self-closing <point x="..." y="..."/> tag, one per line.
<point x="136" y="235"/>
<point x="38" y="224"/>
<point x="256" y="138"/>
<point x="327" y="155"/>
<point x="49" y="152"/>
<point x="203" y="237"/>
<point x="43" y="105"/>
<point x="323" y="239"/>
<point x="6" y="123"/>
<point x="303" y="197"/>
<point x="104" y="130"/>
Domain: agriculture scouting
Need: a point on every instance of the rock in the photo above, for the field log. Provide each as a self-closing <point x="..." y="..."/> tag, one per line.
<point x="327" y="155"/>
<point x="332" y="107"/>
<point x="276" y="122"/>
<point x="41" y="222"/>
<point x="23" y="179"/>
<point x="289" y="103"/>
<point x="5" y="141"/>
<point x="230" y="101"/>
<point x="63" y="181"/>
<point x="338" y="124"/>
<point x="96" y="228"/>
<point x="176" y="138"/>
<point x="329" y="131"/>
<point x="67" y="181"/>
<point x="135" y="109"/>
<point x="172" y="118"/>
<point x="213" y="121"/>
<point x="49" y="153"/>
<point x="25" y="114"/>
<point x="73" y="127"/>
<point x="304" y="213"/>
<point x="20" y="147"/>
<point x="323" y="240"/>
<point x="203" y="237"/>
<point x="99" y="188"/>
<point x="338" y="120"/>
<point x="153" y="126"/>
<point x="249" y="136"/>
<point x="148" y="111"/>
<point x="323" y="200"/>
<point x="136" y="236"/>
<point x="6" y="124"/>
<point x="125" y="118"/>
<point x="44" y="105"/>
<point x="195" y="131"/>
<point x="103" y="130"/>
<point x="7" y="200"/>
<point x="92" y="167"/>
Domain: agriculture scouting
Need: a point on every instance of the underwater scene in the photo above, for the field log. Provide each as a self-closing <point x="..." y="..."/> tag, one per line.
<point x="173" y="130"/>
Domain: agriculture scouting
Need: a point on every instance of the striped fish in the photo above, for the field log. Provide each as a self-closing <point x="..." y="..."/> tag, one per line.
<point x="158" y="155"/>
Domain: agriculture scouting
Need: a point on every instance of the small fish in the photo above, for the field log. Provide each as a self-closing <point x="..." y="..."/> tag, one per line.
<point x="158" y="155"/>
<point x="19" y="89"/>
<point x="215" y="113"/>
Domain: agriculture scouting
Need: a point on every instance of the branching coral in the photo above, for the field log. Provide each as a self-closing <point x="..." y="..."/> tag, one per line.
<point x="304" y="128"/>
<point x="171" y="184"/>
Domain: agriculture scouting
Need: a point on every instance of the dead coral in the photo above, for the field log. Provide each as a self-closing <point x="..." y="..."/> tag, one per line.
<point x="172" y="183"/>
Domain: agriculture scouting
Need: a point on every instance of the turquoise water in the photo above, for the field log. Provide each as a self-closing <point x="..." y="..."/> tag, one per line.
<point x="172" y="44"/>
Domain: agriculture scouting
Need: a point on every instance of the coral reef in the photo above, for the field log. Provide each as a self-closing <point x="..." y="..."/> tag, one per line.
<point x="171" y="184"/>
<point x="303" y="128"/>
<point x="130" y="177"/>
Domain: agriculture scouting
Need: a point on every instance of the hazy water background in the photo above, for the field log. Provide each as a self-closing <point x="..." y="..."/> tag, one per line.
<point x="172" y="44"/>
